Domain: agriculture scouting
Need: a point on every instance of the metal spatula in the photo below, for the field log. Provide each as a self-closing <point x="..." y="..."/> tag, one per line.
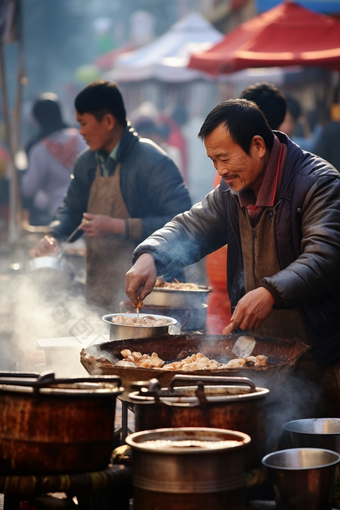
<point x="244" y="346"/>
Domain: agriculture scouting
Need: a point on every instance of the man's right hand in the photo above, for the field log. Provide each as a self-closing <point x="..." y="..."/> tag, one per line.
<point x="141" y="278"/>
<point x="46" y="246"/>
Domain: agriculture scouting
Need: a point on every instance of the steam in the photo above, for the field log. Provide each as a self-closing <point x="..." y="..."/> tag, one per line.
<point x="38" y="311"/>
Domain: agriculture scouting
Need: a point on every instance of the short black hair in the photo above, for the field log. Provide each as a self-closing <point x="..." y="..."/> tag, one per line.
<point x="99" y="98"/>
<point x="46" y="110"/>
<point x="270" y="100"/>
<point x="243" y="119"/>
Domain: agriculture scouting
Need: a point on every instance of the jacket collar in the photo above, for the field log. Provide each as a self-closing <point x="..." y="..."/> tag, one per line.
<point x="127" y="141"/>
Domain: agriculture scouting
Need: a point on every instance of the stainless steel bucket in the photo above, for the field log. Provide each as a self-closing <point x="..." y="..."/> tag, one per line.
<point x="315" y="433"/>
<point x="303" y="478"/>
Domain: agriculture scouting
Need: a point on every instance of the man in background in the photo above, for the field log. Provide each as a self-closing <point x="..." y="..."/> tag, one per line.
<point x="123" y="186"/>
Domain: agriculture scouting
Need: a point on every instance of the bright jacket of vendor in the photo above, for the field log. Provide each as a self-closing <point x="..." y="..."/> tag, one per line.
<point x="307" y="238"/>
<point x="151" y="185"/>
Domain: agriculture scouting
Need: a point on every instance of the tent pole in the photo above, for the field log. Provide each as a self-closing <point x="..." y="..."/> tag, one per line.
<point x="13" y="233"/>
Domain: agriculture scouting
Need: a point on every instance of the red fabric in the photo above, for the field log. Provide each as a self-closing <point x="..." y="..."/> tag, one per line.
<point x="219" y="312"/>
<point x="286" y="35"/>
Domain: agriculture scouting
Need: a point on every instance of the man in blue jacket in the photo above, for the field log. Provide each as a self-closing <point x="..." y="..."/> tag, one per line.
<point x="125" y="188"/>
<point x="278" y="209"/>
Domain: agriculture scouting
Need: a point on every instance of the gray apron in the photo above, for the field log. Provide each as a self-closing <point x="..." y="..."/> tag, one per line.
<point x="108" y="257"/>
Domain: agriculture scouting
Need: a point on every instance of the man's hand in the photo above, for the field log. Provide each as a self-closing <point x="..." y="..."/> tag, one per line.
<point x="141" y="278"/>
<point x="251" y="310"/>
<point x="99" y="225"/>
<point x="46" y="246"/>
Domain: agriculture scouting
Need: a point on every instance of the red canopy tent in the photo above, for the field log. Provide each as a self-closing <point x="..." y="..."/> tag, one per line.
<point x="286" y="35"/>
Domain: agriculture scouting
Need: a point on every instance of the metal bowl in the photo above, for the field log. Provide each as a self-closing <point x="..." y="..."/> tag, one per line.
<point x="187" y="298"/>
<point x="315" y="433"/>
<point x="122" y="331"/>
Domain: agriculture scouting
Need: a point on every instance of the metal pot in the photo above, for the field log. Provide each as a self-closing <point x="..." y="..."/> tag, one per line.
<point x="303" y="478"/>
<point x="180" y="298"/>
<point x="50" y="272"/>
<point x="50" y="425"/>
<point x="315" y="433"/>
<point x="219" y="402"/>
<point x="122" y="331"/>
<point x="188" y="477"/>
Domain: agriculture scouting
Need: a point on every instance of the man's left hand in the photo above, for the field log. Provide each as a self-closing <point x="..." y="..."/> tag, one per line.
<point x="251" y="310"/>
<point x="99" y="225"/>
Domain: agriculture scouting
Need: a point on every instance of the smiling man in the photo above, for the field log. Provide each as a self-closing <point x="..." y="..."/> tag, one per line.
<point x="126" y="187"/>
<point x="278" y="209"/>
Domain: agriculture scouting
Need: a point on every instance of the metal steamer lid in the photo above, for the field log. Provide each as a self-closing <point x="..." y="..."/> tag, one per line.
<point x="47" y="384"/>
<point x="191" y="390"/>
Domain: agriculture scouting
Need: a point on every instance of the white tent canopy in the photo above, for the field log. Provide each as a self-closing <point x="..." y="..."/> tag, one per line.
<point x="166" y="58"/>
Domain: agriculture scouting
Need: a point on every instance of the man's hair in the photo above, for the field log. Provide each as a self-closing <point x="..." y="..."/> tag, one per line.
<point x="99" y="98"/>
<point x="46" y="110"/>
<point x="243" y="119"/>
<point x="270" y="100"/>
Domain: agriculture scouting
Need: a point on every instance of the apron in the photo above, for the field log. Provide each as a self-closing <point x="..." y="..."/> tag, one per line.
<point x="108" y="258"/>
<point x="260" y="260"/>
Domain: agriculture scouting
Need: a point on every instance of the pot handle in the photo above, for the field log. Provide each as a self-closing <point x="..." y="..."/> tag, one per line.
<point x="47" y="379"/>
<point x="196" y="379"/>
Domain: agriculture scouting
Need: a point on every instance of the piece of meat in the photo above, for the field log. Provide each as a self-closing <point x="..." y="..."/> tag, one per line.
<point x="124" y="363"/>
<point x="235" y="363"/>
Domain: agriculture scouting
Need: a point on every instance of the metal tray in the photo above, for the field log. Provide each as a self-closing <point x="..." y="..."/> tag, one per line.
<point x="186" y="298"/>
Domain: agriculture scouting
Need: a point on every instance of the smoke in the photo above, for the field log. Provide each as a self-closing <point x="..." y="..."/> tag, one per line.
<point x="40" y="311"/>
<point x="296" y="398"/>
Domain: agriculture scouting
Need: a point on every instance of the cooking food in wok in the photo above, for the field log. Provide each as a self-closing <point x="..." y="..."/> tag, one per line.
<point x="187" y="364"/>
<point x="282" y="355"/>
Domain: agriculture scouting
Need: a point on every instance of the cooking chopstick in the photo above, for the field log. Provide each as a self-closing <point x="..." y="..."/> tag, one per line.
<point x="84" y="220"/>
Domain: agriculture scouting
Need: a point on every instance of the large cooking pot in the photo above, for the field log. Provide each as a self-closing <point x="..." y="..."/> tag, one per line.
<point x="219" y="402"/>
<point x="122" y="331"/>
<point x="50" y="425"/>
<point x="188" y="469"/>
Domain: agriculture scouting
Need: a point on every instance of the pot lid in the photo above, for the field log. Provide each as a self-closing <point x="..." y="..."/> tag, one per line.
<point x="198" y="390"/>
<point x="47" y="384"/>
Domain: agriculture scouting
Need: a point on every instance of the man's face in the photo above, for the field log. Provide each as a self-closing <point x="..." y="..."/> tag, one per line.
<point x="97" y="134"/>
<point x="239" y="170"/>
